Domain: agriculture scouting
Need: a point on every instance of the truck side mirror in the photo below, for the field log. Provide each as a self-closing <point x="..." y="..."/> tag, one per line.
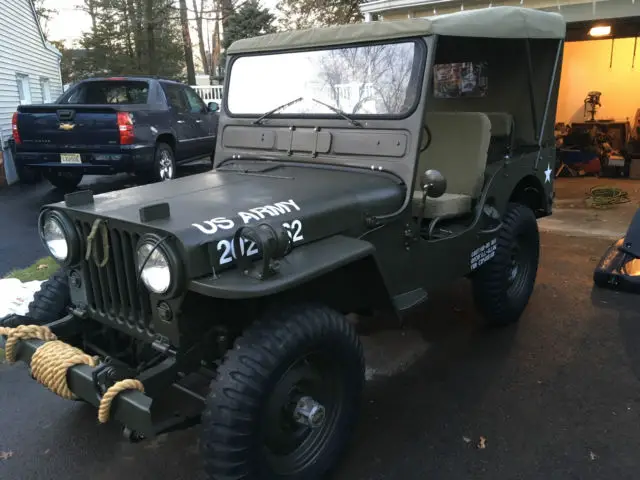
<point x="213" y="106"/>
<point x="433" y="184"/>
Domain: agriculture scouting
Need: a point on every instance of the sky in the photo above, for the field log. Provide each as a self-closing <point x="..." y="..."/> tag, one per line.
<point x="70" y="23"/>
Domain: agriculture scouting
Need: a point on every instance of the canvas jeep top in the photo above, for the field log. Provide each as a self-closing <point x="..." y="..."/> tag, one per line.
<point x="358" y="169"/>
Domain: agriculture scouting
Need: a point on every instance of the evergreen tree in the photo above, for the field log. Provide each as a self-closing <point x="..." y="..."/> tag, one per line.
<point x="128" y="37"/>
<point x="298" y="14"/>
<point x="250" y="20"/>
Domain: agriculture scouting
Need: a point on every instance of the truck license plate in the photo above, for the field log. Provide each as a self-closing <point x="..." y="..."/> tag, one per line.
<point x="70" y="158"/>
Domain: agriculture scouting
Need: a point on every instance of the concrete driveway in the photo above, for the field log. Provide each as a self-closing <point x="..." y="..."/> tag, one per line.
<point x="20" y="245"/>
<point x="556" y="397"/>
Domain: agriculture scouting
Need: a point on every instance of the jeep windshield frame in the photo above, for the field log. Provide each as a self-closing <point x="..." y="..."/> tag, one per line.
<point x="370" y="86"/>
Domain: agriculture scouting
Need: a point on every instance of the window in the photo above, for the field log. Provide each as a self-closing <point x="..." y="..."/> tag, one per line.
<point x="46" y="90"/>
<point x="24" y="91"/>
<point x="376" y="79"/>
<point x="108" y="92"/>
<point x="195" y="102"/>
<point x="176" y="97"/>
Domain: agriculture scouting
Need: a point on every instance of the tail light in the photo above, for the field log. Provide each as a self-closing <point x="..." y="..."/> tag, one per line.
<point x="125" y="127"/>
<point x="14" y="129"/>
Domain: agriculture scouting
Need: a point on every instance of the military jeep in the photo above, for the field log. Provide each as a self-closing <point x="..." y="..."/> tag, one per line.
<point x="358" y="168"/>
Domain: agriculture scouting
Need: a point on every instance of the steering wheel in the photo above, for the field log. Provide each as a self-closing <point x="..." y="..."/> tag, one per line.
<point x="426" y="129"/>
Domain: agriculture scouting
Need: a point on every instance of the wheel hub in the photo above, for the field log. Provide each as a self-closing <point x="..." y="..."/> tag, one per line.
<point x="309" y="413"/>
<point x="166" y="166"/>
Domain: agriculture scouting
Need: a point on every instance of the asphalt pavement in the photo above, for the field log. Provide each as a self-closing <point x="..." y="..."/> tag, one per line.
<point x="20" y="245"/>
<point x="555" y="397"/>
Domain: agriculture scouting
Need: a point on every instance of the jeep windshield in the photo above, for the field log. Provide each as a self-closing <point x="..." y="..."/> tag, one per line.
<point x="366" y="80"/>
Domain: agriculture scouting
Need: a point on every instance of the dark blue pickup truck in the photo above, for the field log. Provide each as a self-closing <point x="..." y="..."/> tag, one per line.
<point x="101" y="126"/>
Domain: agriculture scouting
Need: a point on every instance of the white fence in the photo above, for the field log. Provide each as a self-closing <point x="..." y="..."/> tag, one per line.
<point x="348" y="95"/>
<point x="209" y="93"/>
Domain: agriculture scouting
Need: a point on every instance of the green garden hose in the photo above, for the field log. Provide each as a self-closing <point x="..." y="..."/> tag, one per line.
<point x="604" y="196"/>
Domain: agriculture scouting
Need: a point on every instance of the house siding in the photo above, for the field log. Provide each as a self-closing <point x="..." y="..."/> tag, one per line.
<point x="572" y="10"/>
<point x="23" y="51"/>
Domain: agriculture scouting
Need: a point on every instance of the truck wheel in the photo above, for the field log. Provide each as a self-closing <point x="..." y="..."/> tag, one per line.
<point x="164" y="164"/>
<point x="65" y="181"/>
<point x="286" y="398"/>
<point x="502" y="287"/>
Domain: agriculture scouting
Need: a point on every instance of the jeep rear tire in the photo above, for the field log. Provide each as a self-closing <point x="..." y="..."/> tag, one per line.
<point x="286" y="398"/>
<point x="502" y="287"/>
<point x="65" y="181"/>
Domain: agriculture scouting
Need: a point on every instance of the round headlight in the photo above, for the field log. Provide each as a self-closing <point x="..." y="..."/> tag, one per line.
<point x="156" y="271"/>
<point x="55" y="239"/>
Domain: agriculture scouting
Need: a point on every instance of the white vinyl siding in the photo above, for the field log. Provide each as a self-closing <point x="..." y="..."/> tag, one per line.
<point x="23" y="51"/>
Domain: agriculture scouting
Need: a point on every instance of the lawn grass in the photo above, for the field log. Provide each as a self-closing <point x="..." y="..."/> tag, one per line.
<point x="41" y="269"/>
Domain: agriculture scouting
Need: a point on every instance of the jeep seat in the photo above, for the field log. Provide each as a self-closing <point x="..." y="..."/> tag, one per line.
<point x="459" y="146"/>
<point x="502" y="130"/>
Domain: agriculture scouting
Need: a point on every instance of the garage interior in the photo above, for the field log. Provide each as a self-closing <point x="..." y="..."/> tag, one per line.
<point x="598" y="112"/>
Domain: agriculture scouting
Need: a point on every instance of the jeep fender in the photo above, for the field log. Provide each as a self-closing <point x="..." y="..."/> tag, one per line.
<point x="339" y="271"/>
<point x="527" y="190"/>
<point x="530" y="192"/>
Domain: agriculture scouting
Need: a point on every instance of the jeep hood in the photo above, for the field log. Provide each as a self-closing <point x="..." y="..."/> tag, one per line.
<point x="310" y="202"/>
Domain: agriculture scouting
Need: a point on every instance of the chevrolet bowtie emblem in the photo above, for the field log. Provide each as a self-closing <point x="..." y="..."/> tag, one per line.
<point x="67" y="126"/>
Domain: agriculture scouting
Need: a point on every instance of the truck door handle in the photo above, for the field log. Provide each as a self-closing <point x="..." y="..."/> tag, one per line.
<point x="198" y="121"/>
<point x="180" y="121"/>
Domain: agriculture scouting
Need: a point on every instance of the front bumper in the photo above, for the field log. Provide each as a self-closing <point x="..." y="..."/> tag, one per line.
<point x="147" y="414"/>
<point x="131" y="408"/>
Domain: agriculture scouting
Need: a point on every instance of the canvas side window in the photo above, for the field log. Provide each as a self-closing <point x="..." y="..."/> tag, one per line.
<point x="24" y="90"/>
<point x="462" y="79"/>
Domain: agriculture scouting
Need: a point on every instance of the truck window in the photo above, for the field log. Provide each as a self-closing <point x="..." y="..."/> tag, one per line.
<point x="108" y="92"/>
<point x="176" y="97"/>
<point x="196" y="105"/>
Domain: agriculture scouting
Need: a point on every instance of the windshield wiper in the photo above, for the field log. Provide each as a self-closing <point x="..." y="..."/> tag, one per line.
<point x="342" y="113"/>
<point x="277" y="109"/>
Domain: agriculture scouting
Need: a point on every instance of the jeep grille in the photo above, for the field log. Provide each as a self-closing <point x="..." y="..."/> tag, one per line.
<point x="112" y="293"/>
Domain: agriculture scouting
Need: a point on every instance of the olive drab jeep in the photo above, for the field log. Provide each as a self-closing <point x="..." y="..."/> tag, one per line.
<point x="357" y="168"/>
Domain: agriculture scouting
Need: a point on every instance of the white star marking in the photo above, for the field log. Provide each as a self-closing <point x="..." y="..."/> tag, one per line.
<point x="547" y="174"/>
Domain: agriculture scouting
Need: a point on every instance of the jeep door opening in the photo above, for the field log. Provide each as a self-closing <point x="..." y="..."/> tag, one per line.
<point x="380" y="162"/>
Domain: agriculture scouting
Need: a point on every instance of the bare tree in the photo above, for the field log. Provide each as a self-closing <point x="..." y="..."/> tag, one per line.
<point x="381" y="72"/>
<point x="151" y="42"/>
<point x="203" y="52"/>
<point x="186" y="38"/>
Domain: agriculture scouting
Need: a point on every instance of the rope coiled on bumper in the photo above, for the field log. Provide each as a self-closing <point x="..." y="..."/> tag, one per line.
<point x="52" y="360"/>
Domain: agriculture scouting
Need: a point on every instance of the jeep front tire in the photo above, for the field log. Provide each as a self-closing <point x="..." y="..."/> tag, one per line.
<point x="502" y="287"/>
<point x="286" y="398"/>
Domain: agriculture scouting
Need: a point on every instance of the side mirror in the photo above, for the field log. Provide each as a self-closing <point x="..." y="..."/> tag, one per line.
<point x="213" y="106"/>
<point x="433" y="183"/>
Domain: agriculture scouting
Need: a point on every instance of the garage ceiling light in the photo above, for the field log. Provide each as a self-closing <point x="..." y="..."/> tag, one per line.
<point x="600" y="31"/>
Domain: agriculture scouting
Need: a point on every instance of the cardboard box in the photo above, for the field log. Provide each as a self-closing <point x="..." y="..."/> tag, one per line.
<point x="634" y="169"/>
